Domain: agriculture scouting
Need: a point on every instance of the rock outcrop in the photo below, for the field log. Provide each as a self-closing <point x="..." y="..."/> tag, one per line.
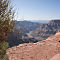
<point x="46" y="30"/>
<point x="48" y="49"/>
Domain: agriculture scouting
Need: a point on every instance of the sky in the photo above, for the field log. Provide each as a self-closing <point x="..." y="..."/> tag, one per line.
<point x="37" y="9"/>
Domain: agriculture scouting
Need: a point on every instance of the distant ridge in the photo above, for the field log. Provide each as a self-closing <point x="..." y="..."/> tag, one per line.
<point x="40" y="21"/>
<point x="55" y="21"/>
<point x="33" y="31"/>
<point x="46" y="30"/>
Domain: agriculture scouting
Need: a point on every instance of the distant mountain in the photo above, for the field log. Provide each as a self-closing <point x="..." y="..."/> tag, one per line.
<point x="41" y="21"/>
<point x="46" y="30"/>
<point x="25" y="27"/>
<point x="32" y="31"/>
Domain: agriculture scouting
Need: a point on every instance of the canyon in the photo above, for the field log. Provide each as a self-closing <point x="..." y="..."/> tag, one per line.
<point x="48" y="49"/>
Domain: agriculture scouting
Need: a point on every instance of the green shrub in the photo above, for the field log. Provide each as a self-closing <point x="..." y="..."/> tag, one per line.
<point x="4" y="45"/>
<point x="7" y="14"/>
<point x="3" y="48"/>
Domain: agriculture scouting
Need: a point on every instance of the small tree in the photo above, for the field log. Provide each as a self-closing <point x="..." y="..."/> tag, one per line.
<point x="6" y="21"/>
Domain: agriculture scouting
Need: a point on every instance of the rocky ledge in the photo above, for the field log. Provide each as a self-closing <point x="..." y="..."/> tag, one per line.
<point x="48" y="49"/>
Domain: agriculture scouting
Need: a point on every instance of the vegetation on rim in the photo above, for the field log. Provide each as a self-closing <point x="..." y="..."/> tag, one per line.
<point x="6" y="24"/>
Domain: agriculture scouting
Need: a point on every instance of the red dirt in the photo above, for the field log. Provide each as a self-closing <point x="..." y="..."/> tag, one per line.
<point x="48" y="49"/>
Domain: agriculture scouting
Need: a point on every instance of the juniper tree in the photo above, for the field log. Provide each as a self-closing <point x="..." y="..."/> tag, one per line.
<point x="6" y="19"/>
<point x="6" y="23"/>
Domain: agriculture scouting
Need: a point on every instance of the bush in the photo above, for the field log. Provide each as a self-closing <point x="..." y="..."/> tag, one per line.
<point x="3" y="47"/>
<point x="6" y="25"/>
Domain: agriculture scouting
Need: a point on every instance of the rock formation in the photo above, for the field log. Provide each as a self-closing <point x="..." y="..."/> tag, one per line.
<point x="48" y="49"/>
<point x="46" y="30"/>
